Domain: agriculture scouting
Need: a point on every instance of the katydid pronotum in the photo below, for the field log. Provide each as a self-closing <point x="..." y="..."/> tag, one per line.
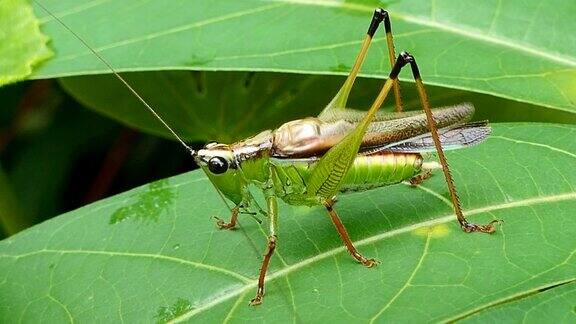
<point x="309" y="161"/>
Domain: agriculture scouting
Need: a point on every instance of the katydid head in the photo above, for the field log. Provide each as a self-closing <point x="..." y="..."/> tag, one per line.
<point x="215" y="157"/>
<point x="218" y="162"/>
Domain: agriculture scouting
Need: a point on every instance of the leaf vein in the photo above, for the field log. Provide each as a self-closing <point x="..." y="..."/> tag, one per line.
<point x="373" y="239"/>
<point x="453" y="29"/>
<point x="535" y="144"/>
<point x="137" y="255"/>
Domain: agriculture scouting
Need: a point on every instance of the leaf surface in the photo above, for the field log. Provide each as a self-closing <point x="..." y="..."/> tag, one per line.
<point x="513" y="49"/>
<point x="154" y="253"/>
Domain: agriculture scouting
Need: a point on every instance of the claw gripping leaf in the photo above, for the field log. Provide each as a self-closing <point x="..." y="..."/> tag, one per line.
<point x="22" y="45"/>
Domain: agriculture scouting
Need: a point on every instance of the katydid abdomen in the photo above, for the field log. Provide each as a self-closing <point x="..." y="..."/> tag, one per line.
<point x="374" y="166"/>
<point x="367" y="172"/>
<point x="381" y="169"/>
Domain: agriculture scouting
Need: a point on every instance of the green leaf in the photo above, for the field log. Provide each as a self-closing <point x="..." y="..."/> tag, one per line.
<point x="154" y="253"/>
<point x="514" y="49"/>
<point x="22" y="45"/>
<point x="539" y="305"/>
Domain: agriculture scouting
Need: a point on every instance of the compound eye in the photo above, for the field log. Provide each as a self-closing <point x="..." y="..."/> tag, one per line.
<point x="217" y="165"/>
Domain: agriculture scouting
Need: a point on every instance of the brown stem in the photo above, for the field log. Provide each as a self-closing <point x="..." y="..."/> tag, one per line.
<point x="32" y="99"/>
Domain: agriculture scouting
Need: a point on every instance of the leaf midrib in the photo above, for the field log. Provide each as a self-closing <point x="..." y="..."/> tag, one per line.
<point x="509" y="299"/>
<point x="251" y="284"/>
<point x="453" y="29"/>
<point x="169" y="31"/>
<point x="134" y="255"/>
<point x="429" y="23"/>
<point x="373" y="239"/>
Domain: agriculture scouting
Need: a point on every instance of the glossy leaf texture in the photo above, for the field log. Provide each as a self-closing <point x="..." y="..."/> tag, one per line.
<point x="154" y="253"/>
<point x="513" y="49"/>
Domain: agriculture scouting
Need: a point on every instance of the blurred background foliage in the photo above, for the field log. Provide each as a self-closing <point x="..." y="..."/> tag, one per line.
<point x="57" y="156"/>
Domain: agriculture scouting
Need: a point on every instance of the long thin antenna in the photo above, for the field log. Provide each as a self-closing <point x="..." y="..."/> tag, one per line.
<point x="134" y="92"/>
<point x="120" y="78"/>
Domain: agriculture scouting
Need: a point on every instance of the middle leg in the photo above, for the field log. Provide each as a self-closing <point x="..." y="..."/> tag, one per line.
<point x="345" y="237"/>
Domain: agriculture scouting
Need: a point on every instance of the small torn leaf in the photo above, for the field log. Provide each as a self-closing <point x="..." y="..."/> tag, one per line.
<point x="22" y="44"/>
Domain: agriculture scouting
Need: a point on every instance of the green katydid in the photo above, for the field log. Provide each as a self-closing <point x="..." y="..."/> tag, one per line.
<point x="309" y="161"/>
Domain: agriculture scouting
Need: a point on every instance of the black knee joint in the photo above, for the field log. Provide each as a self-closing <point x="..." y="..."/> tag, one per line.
<point x="403" y="59"/>
<point x="410" y="59"/>
<point x="387" y="25"/>
<point x="379" y="16"/>
<point x="406" y="57"/>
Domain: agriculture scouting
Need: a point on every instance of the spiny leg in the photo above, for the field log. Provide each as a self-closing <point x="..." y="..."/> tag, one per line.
<point x="380" y="15"/>
<point x="242" y="208"/>
<point x="329" y="204"/>
<point x="272" y="239"/>
<point x="464" y="224"/>
<point x="341" y="98"/>
<point x="392" y="57"/>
